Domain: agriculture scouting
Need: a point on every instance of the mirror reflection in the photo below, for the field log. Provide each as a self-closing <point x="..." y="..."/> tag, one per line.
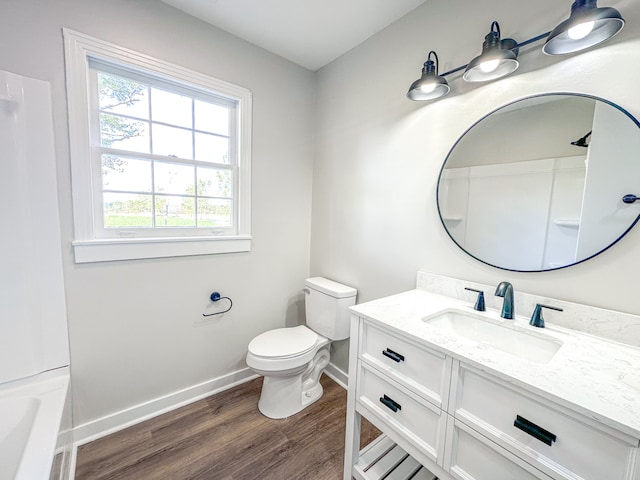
<point x="538" y="184"/>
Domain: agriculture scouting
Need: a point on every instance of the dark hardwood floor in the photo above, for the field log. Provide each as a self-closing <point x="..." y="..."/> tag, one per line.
<point x="224" y="437"/>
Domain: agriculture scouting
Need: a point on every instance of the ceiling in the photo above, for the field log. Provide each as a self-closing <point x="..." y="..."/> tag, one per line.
<point x="308" y="33"/>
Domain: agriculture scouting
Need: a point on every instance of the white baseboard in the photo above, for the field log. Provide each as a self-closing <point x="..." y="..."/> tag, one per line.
<point x="337" y="375"/>
<point x="114" y="422"/>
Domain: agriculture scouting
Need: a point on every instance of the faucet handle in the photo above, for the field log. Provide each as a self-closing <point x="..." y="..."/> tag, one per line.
<point x="479" y="306"/>
<point x="536" y="319"/>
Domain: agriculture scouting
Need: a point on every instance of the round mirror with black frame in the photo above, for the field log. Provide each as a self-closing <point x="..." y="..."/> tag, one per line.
<point x="538" y="184"/>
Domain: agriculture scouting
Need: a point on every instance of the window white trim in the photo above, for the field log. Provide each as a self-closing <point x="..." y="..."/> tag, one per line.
<point x="79" y="48"/>
<point x="137" y="248"/>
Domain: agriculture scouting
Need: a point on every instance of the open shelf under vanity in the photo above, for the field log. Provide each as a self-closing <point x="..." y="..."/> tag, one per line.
<point x="383" y="459"/>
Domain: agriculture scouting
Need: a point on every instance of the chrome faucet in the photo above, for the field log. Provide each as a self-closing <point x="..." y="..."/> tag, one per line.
<point x="505" y="290"/>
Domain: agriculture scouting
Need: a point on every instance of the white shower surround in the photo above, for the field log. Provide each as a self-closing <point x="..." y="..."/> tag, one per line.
<point x="34" y="358"/>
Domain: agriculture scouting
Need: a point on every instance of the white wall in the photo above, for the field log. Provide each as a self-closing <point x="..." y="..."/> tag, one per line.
<point x="133" y="325"/>
<point x="378" y="155"/>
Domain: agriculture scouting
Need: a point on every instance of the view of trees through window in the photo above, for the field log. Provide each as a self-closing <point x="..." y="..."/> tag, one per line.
<point x="165" y="157"/>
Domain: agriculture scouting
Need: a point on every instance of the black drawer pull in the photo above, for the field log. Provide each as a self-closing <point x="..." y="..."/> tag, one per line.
<point x="395" y="356"/>
<point x="395" y="406"/>
<point x="534" y="430"/>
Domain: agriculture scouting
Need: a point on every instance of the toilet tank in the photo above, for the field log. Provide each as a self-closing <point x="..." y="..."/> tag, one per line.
<point x="327" y="307"/>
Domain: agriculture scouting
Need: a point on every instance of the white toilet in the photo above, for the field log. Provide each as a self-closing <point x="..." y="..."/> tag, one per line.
<point x="292" y="359"/>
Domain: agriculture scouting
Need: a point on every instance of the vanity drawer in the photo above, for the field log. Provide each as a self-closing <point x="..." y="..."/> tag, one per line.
<point x="409" y="415"/>
<point x="470" y="456"/>
<point x="559" y="442"/>
<point x="420" y="369"/>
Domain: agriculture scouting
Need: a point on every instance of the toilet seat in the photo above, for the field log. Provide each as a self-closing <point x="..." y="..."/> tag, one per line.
<point x="283" y="342"/>
<point x="284" y="349"/>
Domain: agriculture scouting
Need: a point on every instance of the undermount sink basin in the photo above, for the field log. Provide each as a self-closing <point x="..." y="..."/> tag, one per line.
<point x="502" y="336"/>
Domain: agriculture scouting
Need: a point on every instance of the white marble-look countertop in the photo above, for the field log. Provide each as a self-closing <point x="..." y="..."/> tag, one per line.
<point x="596" y="377"/>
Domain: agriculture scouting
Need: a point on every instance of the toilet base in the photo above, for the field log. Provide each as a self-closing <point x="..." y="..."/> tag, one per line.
<point x="282" y="397"/>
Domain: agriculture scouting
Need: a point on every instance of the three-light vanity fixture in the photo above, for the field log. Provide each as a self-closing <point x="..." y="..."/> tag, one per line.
<point x="587" y="25"/>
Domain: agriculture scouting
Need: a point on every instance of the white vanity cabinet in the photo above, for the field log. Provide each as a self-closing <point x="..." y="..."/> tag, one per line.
<point x="556" y="440"/>
<point x="472" y="456"/>
<point x="466" y="423"/>
<point x="402" y="388"/>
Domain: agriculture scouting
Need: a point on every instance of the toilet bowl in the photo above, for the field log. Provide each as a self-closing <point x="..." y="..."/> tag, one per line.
<point x="291" y="360"/>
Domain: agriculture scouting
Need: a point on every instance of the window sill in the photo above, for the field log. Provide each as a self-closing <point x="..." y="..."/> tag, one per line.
<point x="109" y="250"/>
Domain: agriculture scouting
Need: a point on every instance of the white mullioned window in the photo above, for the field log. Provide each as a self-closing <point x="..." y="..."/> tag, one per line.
<point x="160" y="156"/>
<point x="166" y="156"/>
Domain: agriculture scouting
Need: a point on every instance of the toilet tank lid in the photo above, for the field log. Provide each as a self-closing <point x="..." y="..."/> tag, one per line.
<point x="329" y="287"/>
